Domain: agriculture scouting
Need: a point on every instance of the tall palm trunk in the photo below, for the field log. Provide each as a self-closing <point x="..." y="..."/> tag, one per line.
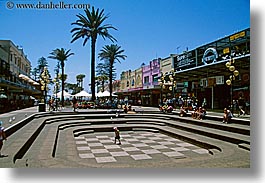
<point x="93" y="52"/>
<point x="110" y="80"/>
<point x="62" y="96"/>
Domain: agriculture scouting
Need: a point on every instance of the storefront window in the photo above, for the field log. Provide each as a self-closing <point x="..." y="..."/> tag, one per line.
<point x="146" y="80"/>
<point x="133" y="82"/>
<point x="155" y="78"/>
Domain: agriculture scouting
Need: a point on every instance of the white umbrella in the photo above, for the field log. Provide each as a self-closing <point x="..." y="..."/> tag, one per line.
<point x="65" y="94"/>
<point x="32" y="98"/>
<point x="104" y="94"/>
<point x="83" y="94"/>
<point x="3" y="95"/>
<point x="99" y="94"/>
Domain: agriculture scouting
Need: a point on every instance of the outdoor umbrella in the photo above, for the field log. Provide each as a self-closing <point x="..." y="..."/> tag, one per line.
<point x="83" y="94"/>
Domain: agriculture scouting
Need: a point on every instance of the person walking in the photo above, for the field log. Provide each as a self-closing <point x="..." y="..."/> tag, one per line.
<point x="241" y="105"/>
<point x="74" y="103"/>
<point x="117" y="135"/>
<point x="2" y="136"/>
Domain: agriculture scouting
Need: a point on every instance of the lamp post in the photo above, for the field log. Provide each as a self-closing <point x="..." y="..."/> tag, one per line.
<point x="161" y="83"/>
<point x="230" y="82"/>
<point x="172" y="82"/>
<point x="167" y="80"/>
<point x="44" y="80"/>
<point x="56" y="88"/>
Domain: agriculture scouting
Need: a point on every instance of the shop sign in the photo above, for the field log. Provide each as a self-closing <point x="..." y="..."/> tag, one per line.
<point x="185" y="59"/>
<point x="219" y="80"/>
<point x="210" y="56"/>
<point x="245" y="77"/>
<point x="204" y="82"/>
<point x="238" y="35"/>
<point x="148" y="87"/>
<point x="180" y="85"/>
<point x="211" y="81"/>
<point x="226" y="50"/>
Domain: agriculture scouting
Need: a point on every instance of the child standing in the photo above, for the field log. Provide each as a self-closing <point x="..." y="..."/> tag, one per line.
<point x="117" y="135"/>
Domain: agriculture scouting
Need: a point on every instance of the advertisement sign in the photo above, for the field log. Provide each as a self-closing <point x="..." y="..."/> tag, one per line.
<point x="210" y="56"/>
<point x="185" y="60"/>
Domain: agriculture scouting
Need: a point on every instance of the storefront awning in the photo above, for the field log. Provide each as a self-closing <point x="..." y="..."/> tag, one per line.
<point x="211" y="70"/>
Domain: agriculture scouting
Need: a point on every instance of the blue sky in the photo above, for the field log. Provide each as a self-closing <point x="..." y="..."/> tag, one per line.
<point x="147" y="29"/>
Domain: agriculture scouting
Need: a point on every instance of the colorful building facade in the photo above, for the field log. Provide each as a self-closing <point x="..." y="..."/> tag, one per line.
<point x="200" y="73"/>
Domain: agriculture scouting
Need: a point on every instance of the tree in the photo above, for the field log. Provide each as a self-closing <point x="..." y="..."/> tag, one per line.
<point x="34" y="73"/>
<point x="91" y="26"/>
<point x="73" y="87"/>
<point x="111" y="53"/>
<point x="61" y="55"/>
<point x="102" y="74"/>
<point x="62" y="77"/>
<point x="80" y="79"/>
<point x="42" y="62"/>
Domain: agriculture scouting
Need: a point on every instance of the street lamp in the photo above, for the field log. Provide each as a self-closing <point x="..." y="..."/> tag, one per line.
<point x="56" y="88"/>
<point x="167" y="81"/>
<point x="45" y="80"/>
<point x="161" y="83"/>
<point x="172" y="82"/>
<point x="230" y="82"/>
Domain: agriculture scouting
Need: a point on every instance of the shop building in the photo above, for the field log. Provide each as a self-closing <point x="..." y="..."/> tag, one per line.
<point x="131" y="86"/>
<point x="140" y="87"/>
<point x="204" y="73"/>
<point x="201" y="74"/>
<point x="17" y="90"/>
<point x="150" y="94"/>
<point x="167" y="64"/>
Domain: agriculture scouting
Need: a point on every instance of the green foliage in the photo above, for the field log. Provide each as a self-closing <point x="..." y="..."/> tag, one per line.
<point x="111" y="54"/>
<point x="91" y="26"/>
<point x="61" y="55"/>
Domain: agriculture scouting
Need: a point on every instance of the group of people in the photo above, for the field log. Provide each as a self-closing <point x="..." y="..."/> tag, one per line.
<point x="241" y="105"/>
<point x="200" y="112"/>
<point x="54" y="104"/>
<point x="197" y="113"/>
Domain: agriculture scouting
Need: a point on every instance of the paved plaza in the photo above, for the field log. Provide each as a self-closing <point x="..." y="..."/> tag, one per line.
<point x="147" y="146"/>
<point x="86" y="139"/>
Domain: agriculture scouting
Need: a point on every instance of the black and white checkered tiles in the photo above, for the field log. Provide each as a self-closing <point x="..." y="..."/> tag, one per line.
<point x="135" y="145"/>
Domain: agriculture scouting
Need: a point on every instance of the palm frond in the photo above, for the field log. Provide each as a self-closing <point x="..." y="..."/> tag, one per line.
<point x="91" y="25"/>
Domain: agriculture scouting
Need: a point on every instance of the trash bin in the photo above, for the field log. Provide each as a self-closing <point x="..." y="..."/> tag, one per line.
<point x="42" y="107"/>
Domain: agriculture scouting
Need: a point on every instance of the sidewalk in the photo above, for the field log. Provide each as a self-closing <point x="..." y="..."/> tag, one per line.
<point x="15" y="116"/>
<point x="41" y="149"/>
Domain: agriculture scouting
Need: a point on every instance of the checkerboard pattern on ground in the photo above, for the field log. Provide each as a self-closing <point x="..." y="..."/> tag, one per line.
<point x="134" y="145"/>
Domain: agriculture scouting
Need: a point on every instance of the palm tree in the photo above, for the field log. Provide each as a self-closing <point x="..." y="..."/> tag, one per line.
<point x="61" y="55"/>
<point x="80" y="79"/>
<point x="111" y="53"/>
<point x="91" y="26"/>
